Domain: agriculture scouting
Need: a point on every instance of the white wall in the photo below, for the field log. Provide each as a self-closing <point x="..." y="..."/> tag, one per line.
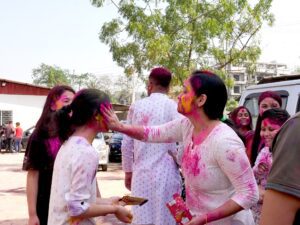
<point x="26" y="108"/>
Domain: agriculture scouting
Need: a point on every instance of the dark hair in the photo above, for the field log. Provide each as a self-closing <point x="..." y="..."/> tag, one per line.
<point x="161" y="76"/>
<point x="234" y="113"/>
<point x="83" y="108"/>
<point x="278" y="116"/>
<point x="256" y="138"/>
<point x="46" y="125"/>
<point x="270" y="94"/>
<point x="208" y="83"/>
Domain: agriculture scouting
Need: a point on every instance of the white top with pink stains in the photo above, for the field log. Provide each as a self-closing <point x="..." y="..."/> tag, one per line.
<point x="73" y="183"/>
<point x="215" y="171"/>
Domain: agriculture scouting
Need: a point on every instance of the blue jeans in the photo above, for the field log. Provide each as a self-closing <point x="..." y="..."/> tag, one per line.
<point x="18" y="144"/>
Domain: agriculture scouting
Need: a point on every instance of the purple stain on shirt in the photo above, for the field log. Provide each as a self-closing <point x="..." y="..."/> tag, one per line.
<point x="54" y="146"/>
<point x="230" y="156"/>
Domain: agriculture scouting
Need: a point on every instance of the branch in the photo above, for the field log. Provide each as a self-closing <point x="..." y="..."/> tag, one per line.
<point x="242" y="49"/>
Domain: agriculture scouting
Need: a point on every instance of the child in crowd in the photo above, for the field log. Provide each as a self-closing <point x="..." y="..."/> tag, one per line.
<point x="272" y="120"/>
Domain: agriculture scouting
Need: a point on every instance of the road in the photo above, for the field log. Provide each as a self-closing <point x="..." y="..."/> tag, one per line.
<point x="13" y="206"/>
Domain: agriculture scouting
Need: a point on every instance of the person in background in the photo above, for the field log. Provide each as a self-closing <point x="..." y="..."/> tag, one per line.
<point x="142" y="161"/>
<point x="282" y="197"/>
<point x="272" y="120"/>
<point x="74" y="191"/>
<point x="219" y="181"/>
<point x="242" y="119"/>
<point x="40" y="154"/>
<point x="18" y="137"/>
<point x="9" y="136"/>
<point x="266" y="100"/>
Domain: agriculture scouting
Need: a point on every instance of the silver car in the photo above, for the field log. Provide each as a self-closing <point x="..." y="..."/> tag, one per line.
<point x="103" y="149"/>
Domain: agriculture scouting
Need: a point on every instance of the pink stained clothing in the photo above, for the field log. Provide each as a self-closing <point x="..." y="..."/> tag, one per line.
<point x="74" y="180"/>
<point x="19" y="132"/>
<point x="155" y="173"/>
<point x="265" y="157"/>
<point x="215" y="171"/>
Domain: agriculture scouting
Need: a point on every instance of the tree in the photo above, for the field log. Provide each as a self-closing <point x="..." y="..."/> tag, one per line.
<point x="50" y="76"/>
<point x="231" y="104"/>
<point x="185" y="34"/>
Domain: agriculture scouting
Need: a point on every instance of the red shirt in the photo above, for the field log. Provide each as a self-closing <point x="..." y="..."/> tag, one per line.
<point x="19" y="132"/>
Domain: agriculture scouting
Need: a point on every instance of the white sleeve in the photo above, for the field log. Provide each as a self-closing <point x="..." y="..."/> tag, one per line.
<point x="232" y="159"/>
<point x="165" y="133"/>
<point x="83" y="172"/>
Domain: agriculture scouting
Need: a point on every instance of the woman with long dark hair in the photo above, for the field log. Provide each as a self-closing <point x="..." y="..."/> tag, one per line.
<point x="74" y="194"/>
<point x="40" y="154"/>
<point x="242" y="119"/>
<point x="267" y="100"/>
<point x="272" y="120"/>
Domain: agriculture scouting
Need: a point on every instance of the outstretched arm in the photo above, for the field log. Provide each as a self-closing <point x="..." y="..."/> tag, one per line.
<point x="165" y="133"/>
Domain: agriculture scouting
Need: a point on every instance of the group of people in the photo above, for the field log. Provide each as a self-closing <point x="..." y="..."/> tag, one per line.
<point x="230" y="172"/>
<point x="11" y="137"/>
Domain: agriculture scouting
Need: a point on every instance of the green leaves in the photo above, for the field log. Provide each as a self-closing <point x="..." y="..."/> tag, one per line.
<point x="49" y="75"/>
<point x="185" y="34"/>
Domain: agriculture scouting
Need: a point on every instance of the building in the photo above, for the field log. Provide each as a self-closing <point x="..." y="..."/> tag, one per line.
<point x="263" y="70"/>
<point x="21" y="102"/>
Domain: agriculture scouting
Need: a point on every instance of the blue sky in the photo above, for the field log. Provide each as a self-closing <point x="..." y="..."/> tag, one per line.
<point x="65" y="33"/>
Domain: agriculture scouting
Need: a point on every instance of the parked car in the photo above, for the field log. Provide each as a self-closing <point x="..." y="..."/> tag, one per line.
<point x="115" y="154"/>
<point x="26" y="135"/>
<point x="103" y="150"/>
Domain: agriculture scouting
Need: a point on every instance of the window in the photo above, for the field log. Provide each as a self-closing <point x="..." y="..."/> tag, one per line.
<point x="5" y="116"/>
<point x="236" y="77"/>
<point x="237" y="90"/>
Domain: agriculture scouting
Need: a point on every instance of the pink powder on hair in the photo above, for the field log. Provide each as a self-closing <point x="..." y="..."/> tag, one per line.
<point x="54" y="146"/>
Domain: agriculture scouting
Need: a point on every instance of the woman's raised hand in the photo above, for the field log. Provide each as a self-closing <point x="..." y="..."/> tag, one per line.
<point x="110" y="117"/>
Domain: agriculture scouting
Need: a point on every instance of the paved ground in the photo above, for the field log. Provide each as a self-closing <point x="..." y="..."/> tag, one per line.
<point x="13" y="207"/>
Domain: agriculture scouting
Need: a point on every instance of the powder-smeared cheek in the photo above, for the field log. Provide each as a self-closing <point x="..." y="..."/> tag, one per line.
<point x="100" y="119"/>
<point x="58" y="105"/>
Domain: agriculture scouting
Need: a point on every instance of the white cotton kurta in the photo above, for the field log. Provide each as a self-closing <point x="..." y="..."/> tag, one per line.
<point x="215" y="171"/>
<point x="155" y="174"/>
<point x="73" y="182"/>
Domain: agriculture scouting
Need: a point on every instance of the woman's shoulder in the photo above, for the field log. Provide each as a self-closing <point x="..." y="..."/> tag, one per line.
<point x="225" y="136"/>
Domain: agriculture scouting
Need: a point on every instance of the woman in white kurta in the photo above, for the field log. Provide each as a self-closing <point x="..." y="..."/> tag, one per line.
<point x="73" y="199"/>
<point x="220" y="186"/>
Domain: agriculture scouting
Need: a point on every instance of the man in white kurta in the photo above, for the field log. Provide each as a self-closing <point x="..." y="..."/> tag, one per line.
<point x="150" y="171"/>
